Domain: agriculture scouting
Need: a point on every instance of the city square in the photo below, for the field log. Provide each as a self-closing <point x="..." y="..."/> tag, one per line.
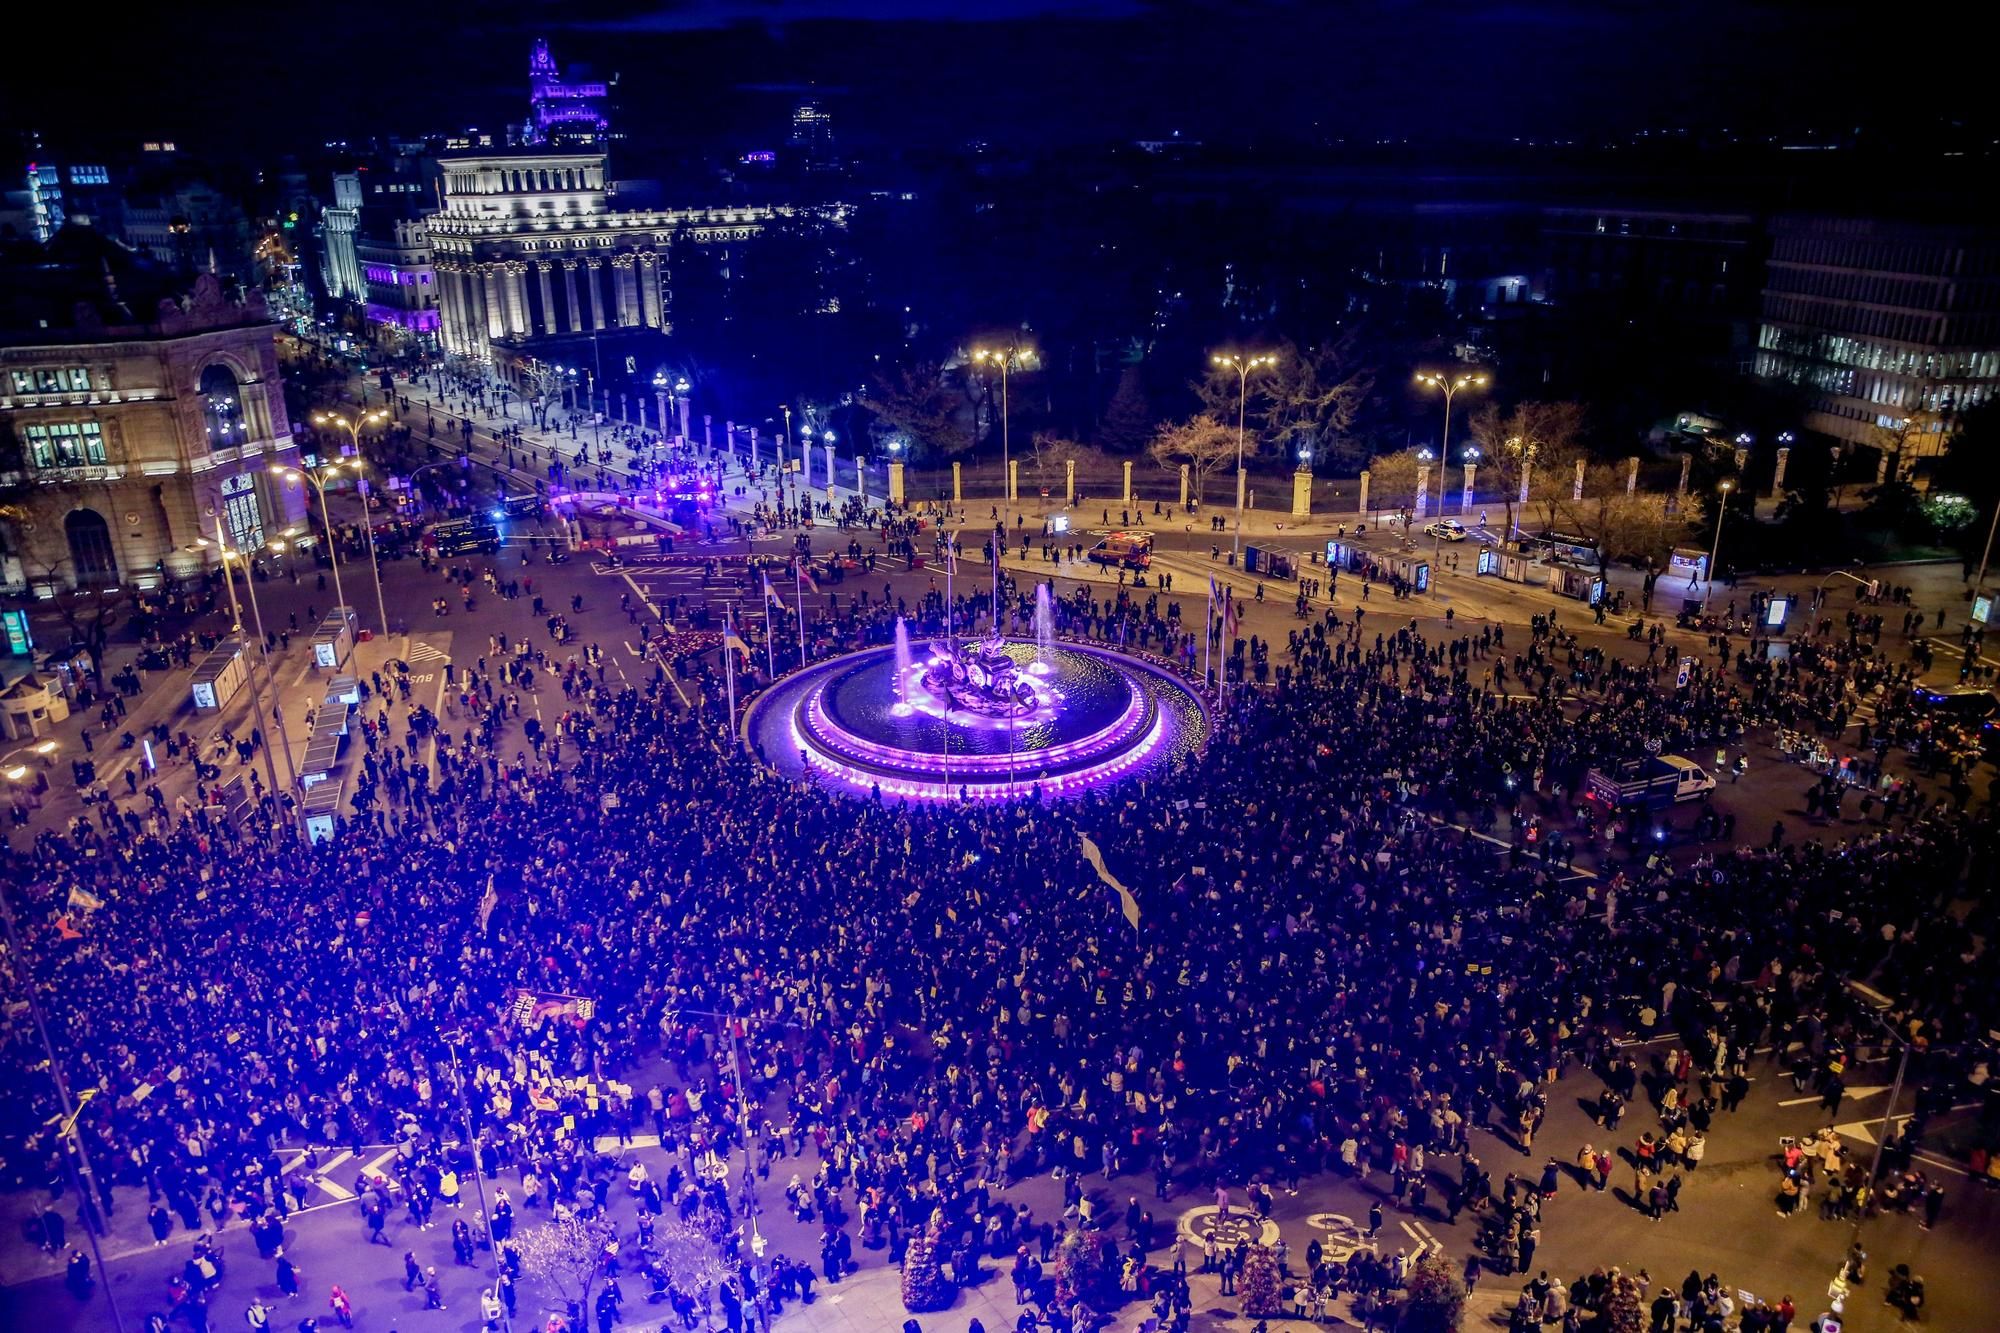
<point x="515" y="822"/>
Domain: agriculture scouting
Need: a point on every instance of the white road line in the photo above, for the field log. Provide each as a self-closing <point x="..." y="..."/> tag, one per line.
<point x="374" y="1168"/>
<point x="1853" y="1094"/>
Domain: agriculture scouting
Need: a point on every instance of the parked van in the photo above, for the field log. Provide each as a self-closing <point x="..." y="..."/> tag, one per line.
<point x="1127" y="550"/>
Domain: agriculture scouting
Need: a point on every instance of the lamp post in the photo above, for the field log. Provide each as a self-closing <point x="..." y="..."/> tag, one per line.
<point x="353" y="429"/>
<point x="1527" y="449"/>
<point x="319" y="482"/>
<point x="1448" y="385"/>
<point x="1242" y="365"/>
<point x="256" y="687"/>
<point x="1715" y="547"/>
<point x="660" y="400"/>
<point x="1468" y="458"/>
<point x="1005" y="361"/>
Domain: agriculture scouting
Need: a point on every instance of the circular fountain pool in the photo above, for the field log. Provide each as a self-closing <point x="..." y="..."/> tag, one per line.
<point x="987" y="719"/>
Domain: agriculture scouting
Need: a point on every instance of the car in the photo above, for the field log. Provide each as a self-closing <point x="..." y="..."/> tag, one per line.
<point x="1127" y="550"/>
<point x="1961" y="702"/>
<point x="1448" y="528"/>
<point x="1695" y="783"/>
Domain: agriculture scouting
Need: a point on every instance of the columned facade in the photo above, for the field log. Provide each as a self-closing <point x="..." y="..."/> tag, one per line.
<point x="505" y="213"/>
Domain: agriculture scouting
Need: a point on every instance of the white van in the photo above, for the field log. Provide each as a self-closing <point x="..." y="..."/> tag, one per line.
<point x="1695" y="783"/>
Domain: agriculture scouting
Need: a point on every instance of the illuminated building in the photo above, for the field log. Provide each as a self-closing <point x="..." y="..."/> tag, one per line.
<point x="142" y="406"/>
<point x="1883" y="323"/>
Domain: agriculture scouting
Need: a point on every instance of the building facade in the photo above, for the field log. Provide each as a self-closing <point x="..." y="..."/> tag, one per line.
<point x="340" y="222"/>
<point x="530" y="245"/>
<point x="394" y="255"/>
<point x="129" y="437"/>
<point x="1891" y="328"/>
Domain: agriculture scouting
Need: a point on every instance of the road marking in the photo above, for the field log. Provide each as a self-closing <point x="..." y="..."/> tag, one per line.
<point x="374" y="1168"/>
<point x="324" y="1177"/>
<point x="1854" y="1094"/>
<point x="610" y="1143"/>
<point x="421" y="651"/>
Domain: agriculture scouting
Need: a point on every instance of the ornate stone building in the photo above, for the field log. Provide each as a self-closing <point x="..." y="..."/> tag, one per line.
<point x="136" y="410"/>
<point x="528" y="245"/>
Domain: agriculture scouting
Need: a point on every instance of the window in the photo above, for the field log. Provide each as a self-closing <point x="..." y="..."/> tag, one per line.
<point x="52" y="379"/>
<point x="241" y="512"/>
<point x="221" y="408"/>
<point x="64" y="443"/>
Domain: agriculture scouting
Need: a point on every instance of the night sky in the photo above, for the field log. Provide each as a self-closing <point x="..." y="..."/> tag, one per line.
<point x="700" y="74"/>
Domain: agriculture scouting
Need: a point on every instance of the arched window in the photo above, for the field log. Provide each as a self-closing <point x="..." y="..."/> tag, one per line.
<point x="90" y="555"/>
<point x="222" y="407"/>
<point x="241" y="512"/>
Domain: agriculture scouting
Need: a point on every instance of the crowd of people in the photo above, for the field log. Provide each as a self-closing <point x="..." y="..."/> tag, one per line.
<point x="523" y="948"/>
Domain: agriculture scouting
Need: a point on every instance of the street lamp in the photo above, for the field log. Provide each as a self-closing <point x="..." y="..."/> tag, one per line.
<point x="1242" y="365"/>
<point x="1448" y="385"/>
<point x="660" y="399"/>
<point x="256" y="688"/>
<point x="1425" y="456"/>
<point x="1715" y="548"/>
<point x="319" y="482"/>
<point x="1007" y="360"/>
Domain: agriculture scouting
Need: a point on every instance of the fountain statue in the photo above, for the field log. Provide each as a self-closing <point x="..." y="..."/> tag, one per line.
<point x="979" y="678"/>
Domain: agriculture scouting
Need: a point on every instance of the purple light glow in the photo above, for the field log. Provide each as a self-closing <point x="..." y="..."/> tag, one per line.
<point x="801" y="732"/>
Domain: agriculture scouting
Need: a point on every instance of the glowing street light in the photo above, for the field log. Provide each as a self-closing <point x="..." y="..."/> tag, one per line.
<point x="1242" y="365"/>
<point x="1011" y="358"/>
<point x="1715" y="548"/>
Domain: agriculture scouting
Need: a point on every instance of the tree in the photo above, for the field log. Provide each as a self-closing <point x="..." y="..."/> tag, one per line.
<point x="1201" y="443"/>
<point x="1050" y="452"/>
<point x="1311" y="397"/>
<point x="1923" y="433"/>
<point x="88" y="612"/>
<point x="920" y="404"/>
<point x="1434" y="1296"/>
<point x="1392" y="480"/>
<point x="693" y="1265"/>
<point x="924" y="1287"/>
<point x="1622" y="1313"/>
<point x="567" y="1255"/>
<point x="1260" y="1283"/>
<point x="1545" y="438"/>
<point x="1128" y="417"/>
<point x="1623" y="526"/>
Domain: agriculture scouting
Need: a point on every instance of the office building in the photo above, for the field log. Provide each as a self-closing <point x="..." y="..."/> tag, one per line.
<point x="1892" y="328"/>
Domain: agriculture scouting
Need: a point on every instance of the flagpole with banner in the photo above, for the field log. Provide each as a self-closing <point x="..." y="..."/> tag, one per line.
<point x="1208" y="634"/>
<point x="770" y="635"/>
<point x="730" y="645"/>
<point x="799" y="591"/>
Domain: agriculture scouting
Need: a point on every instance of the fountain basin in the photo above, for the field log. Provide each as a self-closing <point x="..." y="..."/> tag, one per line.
<point x="869" y="721"/>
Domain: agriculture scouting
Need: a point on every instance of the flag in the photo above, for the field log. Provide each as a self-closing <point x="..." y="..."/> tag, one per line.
<point x="84" y="900"/>
<point x="1214" y="589"/>
<point x="950" y="555"/>
<point x="1229" y="618"/>
<point x="771" y="597"/>
<point x="731" y="639"/>
<point x="806" y="576"/>
<point x="66" y="930"/>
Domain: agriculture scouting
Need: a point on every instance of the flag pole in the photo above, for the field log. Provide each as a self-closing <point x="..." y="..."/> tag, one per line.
<point x="799" y="585"/>
<point x="729" y="665"/>
<point x="1208" y="633"/>
<point x="770" y="639"/>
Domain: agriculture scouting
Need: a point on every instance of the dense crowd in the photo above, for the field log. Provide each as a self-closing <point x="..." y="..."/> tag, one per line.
<point x="908" y="1008"/>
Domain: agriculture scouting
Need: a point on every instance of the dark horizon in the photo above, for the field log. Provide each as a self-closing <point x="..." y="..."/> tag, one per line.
<point x="698" y="77"/>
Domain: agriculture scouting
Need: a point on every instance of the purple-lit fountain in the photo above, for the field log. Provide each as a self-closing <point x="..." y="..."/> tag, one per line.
<point x="986" y="718"/>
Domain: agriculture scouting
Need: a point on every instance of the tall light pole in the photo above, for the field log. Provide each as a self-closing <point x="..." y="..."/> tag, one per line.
<point x="1011" y="358"/>
<point x="353" y="428"/>
<point x="228" y="553"/>
<point x="319" y="481"/>
<point x="1715" y="547"/>
<point x="1448" y="385"/>
<point x="1242" y="365"/>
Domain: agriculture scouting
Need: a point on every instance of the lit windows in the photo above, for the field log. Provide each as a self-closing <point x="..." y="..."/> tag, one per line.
<point x="64" y="443"/>
<point x="52" y="379"/>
